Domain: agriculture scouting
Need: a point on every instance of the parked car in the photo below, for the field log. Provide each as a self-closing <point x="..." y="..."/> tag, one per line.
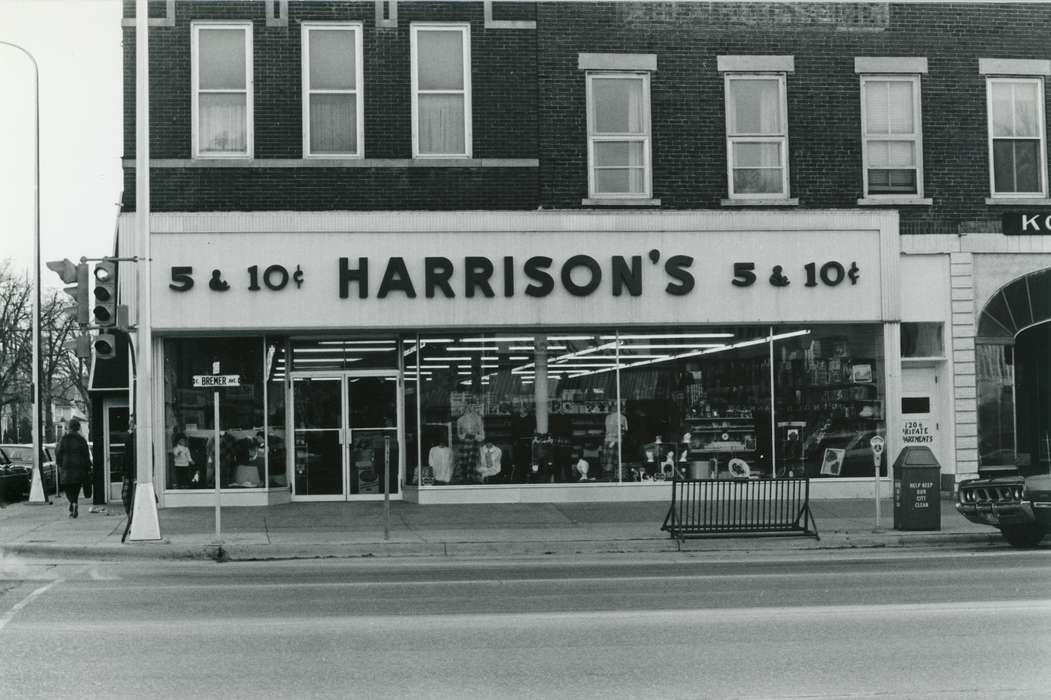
<point x="23" y="455"/>
<point x="1019" y="505"/>
<point x="15" y="477"/>
<point x="857" y="458"/>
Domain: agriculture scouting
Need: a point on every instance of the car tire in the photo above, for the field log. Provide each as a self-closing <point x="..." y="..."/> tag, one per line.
<point x="1022" y="536"/>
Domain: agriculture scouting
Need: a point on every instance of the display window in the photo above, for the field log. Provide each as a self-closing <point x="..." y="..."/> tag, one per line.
<point x="189" y="416"/>
<point x="639" y="405"/>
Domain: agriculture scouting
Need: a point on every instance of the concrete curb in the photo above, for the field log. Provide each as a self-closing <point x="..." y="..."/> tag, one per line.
<point x="165" y="550"/>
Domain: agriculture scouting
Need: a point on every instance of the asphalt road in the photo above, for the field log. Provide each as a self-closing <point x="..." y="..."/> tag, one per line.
<point x="927" y="624"/>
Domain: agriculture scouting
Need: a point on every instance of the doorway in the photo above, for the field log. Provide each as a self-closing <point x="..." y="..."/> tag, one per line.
<point x="347" y="435"/>
<point x="115" y="448"/>
<point x="921" y="415"/>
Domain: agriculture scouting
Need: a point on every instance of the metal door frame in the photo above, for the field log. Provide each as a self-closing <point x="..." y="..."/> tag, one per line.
<point x="107" y="404"/>
<point x="345" y="429"/>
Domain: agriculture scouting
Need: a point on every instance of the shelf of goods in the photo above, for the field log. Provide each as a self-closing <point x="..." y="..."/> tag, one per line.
<point x="715" y="442"/>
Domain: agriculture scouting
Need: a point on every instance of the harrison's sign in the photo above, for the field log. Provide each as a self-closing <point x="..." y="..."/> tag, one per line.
<point x="1027" y="224"/>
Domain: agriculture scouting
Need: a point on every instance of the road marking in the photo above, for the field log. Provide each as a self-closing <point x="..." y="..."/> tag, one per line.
<point x="9" y="615"/>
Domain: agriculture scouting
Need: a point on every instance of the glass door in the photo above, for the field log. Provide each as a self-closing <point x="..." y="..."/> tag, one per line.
<point x="115" y="449"/>
<point x="317" y="415"/>
<point x="346" y="435"/>
<point x="372" y="427"/>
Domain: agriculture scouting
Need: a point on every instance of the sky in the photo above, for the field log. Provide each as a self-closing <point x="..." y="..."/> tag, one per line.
<point x="77" y="46"/>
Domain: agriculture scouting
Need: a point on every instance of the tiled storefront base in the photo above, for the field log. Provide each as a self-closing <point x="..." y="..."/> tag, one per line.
<point x="585" y="493"/>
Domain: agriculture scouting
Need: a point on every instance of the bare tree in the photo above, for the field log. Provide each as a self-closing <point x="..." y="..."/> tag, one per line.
<point x="16" y="346"/>
<point x="63" y="376"/>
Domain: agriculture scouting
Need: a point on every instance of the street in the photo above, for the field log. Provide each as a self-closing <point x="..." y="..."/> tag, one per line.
<point x="923" y="623"/>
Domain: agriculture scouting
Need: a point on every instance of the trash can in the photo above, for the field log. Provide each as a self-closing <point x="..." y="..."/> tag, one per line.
<point x="917" y="490"/>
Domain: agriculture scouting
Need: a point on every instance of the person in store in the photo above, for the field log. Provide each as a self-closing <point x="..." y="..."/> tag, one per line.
<point x="489" y="457"/>
<point x="470" y="432"/>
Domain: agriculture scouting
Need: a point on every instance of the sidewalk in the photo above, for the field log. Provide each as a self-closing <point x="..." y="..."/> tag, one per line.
<point x="321" y="530"/>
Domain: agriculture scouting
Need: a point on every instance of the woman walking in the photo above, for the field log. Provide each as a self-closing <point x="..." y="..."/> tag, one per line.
<point x="74" y="459"/>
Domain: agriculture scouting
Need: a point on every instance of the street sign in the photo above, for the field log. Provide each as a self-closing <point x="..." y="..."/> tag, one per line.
<point x="216" y="381"/>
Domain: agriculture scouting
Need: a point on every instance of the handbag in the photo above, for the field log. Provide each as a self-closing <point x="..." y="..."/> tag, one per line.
<point x="87" y="485"/>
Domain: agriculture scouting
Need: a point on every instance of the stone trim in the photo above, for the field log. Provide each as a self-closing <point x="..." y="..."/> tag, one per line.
<point x="890" y="64"/>
<point x="163" y="163"/>
<point x="617" y="61"/>
<point x="964" y="379"/>
<point x="756" y="64"/>
<point x="388" y="19"/>
<point x="168" y="20"/>
<point x="278" y="18"/>
<point x="1014" y="66"/>
<point x="490" y="23"/>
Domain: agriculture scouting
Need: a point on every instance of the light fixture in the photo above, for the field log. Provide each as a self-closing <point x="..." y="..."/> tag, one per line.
<point x="665" y="336"/>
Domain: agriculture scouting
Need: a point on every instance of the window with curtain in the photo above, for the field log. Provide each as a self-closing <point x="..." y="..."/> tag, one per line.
<point x="1016" y="135"/>
<point x="332" y="100"/>
<point x="441" y="83"/>
<point x="619" y="134"/>
<point x="222" y="90"/>
<point x="891" y="129"/>
<point x="756" y="136"/>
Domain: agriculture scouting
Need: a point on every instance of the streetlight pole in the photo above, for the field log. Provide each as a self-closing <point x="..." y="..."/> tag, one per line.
<point x="37" y="436"/>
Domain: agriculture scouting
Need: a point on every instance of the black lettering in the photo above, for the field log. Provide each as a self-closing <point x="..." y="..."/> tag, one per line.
<point x="477" y="272"/>
<point x="535" y="269"/>
<point x="396" y="279"/>
<point x="359" y="275"/>
<point x="581" y="290"/>
<point x="509" y="276"/>
<point x="676" y="267"/>
<point x="436" y="274"/>
<point x="629" y="277"/>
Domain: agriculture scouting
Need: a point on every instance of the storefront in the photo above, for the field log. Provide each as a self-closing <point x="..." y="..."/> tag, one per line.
<point x="533" y="356"/>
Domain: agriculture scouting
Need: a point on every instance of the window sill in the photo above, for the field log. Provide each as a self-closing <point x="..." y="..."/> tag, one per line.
<point x="592" y="202"/>
<point x="1018" y="201"/>
<point x="895" y="201"/>
<point x="791" y="202"/>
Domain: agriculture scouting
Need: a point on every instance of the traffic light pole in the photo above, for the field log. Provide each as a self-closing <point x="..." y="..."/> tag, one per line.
<point x="145" y="525"/>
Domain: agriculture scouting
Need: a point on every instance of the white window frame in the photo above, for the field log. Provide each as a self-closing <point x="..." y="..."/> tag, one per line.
<point x="916" y="136"/>
<point x="732" y="138"/>
<point x="465" y="30"/>
<point x="1039" y="82"/>
<point x="357" y="28"/>
<point x="248" y="91"/>
<point x="646" y="138"/>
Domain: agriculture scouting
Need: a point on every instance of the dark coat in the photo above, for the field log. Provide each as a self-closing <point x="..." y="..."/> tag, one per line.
<point x="73" y="458"/>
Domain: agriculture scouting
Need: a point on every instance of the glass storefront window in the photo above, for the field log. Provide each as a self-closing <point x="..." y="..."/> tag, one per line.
<point x="189" y="414"/>
<point x="639" y="404"/>
<point x="994" y="364"/>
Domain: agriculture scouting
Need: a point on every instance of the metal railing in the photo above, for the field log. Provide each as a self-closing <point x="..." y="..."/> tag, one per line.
<point x="739" y="507"/>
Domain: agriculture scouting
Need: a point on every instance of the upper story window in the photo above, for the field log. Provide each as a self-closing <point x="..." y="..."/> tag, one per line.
<point x="1017" y="153"/>
<point x="891" y="128"/>
<point x="756" y="135"/>
<point x="618" y="106"/>
<point x="332" y="90"/>
<point x="441" y="90"/>
<point x="222" y="90"/>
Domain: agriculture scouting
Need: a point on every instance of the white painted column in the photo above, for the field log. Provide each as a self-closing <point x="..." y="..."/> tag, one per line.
<point x="964" y="376"/>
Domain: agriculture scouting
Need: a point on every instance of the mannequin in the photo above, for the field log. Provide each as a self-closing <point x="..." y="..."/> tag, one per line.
<point x="440" y="460"/>
<point x="469" y="433"/>
<point x="609" y="445"/>
<point x="488" y="461"/>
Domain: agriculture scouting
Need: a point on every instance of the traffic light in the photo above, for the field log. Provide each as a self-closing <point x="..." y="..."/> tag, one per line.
<point x="105" y="311"/>
<point x="105" y="345"/>
<point x="77" y="276"/>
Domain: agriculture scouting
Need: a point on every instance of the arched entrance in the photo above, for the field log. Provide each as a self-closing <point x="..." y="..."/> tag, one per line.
<point x="1013" y="366"/>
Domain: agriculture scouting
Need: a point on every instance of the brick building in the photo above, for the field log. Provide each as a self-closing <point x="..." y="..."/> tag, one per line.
<point x="548" y="251"/>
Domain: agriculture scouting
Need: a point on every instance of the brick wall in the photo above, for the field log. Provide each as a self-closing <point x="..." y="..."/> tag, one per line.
<point x="529" y="102"/>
